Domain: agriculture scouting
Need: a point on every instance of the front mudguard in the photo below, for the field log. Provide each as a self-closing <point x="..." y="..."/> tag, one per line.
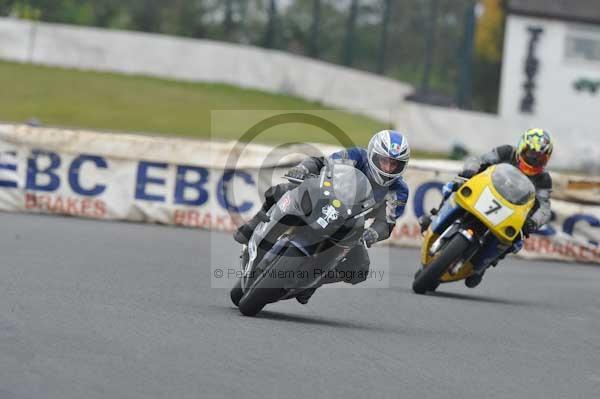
<point x="436" y="241"/>
<point x="266" y="234"/>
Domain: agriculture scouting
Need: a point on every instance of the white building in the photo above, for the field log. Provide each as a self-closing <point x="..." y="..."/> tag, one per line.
<point x="551" y="66"/>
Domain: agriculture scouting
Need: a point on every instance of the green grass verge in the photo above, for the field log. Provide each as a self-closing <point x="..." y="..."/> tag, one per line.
<point x="115" y="102"/>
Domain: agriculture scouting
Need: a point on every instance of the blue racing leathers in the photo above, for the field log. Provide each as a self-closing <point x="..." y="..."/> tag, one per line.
<point x="391" y="200"/>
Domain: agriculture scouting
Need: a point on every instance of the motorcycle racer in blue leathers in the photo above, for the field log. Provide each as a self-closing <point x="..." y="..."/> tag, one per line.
<point x="383" y="162"/>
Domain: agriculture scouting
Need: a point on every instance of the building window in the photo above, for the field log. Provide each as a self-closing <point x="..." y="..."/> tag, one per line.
<point x="583" y="46"/>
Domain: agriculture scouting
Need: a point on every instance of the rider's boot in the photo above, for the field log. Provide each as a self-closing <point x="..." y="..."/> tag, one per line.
<point x="474" y="280"/>
<point x="244" y="232"/>
<point x="305" y="295"/>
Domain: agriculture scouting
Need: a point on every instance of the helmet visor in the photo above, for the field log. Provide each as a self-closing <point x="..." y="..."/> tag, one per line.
<point x="534" y="158"/>
<point x="388" y="166"/>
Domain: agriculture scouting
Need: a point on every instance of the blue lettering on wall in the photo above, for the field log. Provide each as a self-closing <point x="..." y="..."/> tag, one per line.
<point x="222" y="191"/>
<point x="419" y="203"/>
<point x="142" y="180"/>
<point x="181" y="184"/>
<point x="74" y="169"/>
<point x="571" y="221"/>
<point x="33" y="171"/>
<point x="8" y="166"/>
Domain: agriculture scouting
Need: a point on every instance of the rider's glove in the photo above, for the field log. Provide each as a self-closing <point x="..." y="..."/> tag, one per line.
<point x="517" y="246"/>
<point x="298" y="172"/>
<point x="467" y="173"/>
<point x="449" y="188"/>
<point x="529" y="227"/>
<point x="370" y="237"/>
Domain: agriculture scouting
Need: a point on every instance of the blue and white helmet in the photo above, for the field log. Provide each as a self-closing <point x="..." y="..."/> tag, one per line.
<point x="388" y="153"/>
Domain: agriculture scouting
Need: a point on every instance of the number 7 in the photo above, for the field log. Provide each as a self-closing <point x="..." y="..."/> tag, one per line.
<point x="493" y="209"/>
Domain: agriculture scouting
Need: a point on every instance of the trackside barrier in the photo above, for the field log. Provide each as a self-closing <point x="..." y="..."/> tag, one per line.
<point x="194" y="184"/>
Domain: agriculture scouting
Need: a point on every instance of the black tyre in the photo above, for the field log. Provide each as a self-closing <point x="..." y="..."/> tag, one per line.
<point x="236" y="293"/>
<point x="429" y="278"/>
<point x="267" y="288"/>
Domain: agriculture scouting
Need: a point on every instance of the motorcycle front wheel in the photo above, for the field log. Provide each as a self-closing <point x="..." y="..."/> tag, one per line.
<point x="429" y="278"/>
<point x="267" y="288"/>
<point x="236" y="293"/>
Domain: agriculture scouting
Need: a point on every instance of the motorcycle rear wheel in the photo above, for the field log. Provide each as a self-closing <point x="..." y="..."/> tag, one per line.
<point x="429" y="278"/>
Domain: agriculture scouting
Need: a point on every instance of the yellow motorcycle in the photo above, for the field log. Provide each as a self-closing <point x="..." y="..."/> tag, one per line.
<point x="485" y="213"/>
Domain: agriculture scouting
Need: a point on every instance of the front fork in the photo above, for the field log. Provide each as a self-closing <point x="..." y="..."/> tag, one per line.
<point x="475" y="238"/>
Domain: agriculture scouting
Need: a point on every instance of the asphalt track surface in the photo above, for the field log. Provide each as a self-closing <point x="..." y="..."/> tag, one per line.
<point x="117" y="310"/>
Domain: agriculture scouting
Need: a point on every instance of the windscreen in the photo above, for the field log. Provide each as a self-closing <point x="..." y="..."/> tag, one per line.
<point x="513" y="185"/>
<point x="351" y="186"/>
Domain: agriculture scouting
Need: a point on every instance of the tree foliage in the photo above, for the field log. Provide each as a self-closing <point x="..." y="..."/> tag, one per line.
<point x="247" y="22"/>
<point x="490" y="31"/>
